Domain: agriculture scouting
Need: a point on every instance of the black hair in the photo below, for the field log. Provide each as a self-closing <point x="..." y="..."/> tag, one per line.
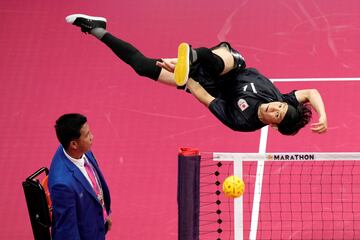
<point x="303" y="117"/>
<point x="68" y="127"/>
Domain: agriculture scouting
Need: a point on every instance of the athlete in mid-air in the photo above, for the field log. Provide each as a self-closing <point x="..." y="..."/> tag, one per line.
<point x="240" y="97"/>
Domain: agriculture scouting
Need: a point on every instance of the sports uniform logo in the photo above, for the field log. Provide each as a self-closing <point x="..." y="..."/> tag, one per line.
<point x="243" y="105"/>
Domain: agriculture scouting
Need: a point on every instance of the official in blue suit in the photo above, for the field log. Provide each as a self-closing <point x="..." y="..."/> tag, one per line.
<point x="79" y="194"/>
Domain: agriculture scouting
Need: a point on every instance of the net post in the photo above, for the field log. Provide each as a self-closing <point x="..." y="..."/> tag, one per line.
<point x="188" y="195"/>
<point x="238" y="205"/>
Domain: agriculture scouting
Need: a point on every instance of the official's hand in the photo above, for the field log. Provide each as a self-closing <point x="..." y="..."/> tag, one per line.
<point x="167" y="64"/>
<point x="320" y="126"/>
<point x="109" y="221"/>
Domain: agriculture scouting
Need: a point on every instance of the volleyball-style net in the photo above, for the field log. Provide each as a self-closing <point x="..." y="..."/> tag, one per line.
<point x="287" y="196"/>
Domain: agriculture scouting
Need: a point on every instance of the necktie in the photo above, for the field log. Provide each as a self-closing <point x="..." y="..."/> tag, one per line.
<point x="91" y="173"/>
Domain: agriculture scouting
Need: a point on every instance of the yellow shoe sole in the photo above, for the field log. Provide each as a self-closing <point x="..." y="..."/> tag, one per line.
<point x="181" y="73"/>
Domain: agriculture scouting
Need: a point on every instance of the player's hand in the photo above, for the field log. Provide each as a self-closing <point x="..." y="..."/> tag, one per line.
<point x="320" y="126"/>
<point x="167" y="64"/>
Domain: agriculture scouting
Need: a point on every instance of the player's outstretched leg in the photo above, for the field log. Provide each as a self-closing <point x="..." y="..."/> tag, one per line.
<point x="86" y="22"/>
<point x="96" y="26"/>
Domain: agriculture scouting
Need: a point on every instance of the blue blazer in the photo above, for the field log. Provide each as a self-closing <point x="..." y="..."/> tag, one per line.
<point x="77" y="214"/>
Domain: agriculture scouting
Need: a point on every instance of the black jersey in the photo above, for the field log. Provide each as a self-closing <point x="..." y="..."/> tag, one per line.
<point x="240" y="95"/>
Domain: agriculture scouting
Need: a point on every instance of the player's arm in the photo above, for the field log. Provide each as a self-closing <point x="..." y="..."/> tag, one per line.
<point x="313" y="97"/>
<point x="199" y="92"/>
<point x="220" y="108"/>
<point x="168" y="64"/>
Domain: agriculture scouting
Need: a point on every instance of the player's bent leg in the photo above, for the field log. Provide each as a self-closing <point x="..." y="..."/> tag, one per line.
<point x="232" y="58"/>
<point x="227" y="59"/>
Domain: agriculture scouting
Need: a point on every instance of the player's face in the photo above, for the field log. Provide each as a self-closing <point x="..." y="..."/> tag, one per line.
<point x="85" y="140"/>
<point x="273" y="113"/>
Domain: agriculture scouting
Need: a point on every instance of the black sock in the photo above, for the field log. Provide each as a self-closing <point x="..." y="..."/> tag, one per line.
<point x="129" y="54"/>
<point x="211" y="62"/>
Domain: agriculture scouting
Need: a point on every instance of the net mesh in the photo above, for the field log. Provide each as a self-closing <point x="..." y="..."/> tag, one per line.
<point x="299" y="200"/>
<point x="216" y="211"/>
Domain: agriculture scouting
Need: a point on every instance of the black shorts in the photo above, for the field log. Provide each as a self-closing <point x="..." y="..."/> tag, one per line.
<point x="214" y="84"/>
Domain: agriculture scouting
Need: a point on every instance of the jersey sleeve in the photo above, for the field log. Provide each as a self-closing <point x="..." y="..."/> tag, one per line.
<point x="226" y="114"/>
<point x="290" y="98"/>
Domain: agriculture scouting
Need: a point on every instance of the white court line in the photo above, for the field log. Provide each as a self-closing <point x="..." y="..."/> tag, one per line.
<point x="258" y="185"/>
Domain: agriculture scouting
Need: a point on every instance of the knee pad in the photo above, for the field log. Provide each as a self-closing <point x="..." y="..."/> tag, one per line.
<point x="239" y="60"/>
<point x="145" y="67"/>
